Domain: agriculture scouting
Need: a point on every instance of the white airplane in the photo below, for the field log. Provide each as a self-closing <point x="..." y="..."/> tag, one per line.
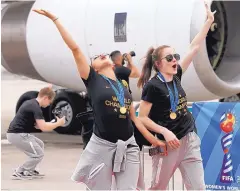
<point x="32" y="46"/>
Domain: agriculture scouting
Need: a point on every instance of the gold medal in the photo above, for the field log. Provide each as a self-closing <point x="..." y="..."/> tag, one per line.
<point x="173" y="115"/>
<point x="123" y="110"/>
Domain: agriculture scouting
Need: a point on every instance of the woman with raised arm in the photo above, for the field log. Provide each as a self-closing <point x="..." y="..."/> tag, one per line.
<point x="112" y="147"/>
<point x="164" y="105"/>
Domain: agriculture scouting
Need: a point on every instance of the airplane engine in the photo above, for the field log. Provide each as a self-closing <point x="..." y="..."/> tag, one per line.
<point x="217" y="65"/>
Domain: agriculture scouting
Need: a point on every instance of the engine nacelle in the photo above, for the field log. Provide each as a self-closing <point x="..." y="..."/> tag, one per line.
<point x="32" y="46"/>
<point x="217" y="64"/>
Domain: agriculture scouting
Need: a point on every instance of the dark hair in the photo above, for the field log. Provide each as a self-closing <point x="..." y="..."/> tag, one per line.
<point x="114" y="54"/>
<point x="152" y="56"/>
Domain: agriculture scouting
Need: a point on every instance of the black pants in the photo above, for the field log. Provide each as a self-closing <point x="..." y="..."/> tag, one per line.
<point x="140" y="139"/>
<point x="86" y="120"/>
<point x="87" y="131"/>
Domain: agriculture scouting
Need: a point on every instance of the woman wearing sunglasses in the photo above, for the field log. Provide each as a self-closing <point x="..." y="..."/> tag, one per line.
<point x="164" y="104"/>
<point x="112" y="147"/>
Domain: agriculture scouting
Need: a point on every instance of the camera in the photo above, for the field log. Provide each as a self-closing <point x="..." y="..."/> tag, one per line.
<point x="132" y="54"/>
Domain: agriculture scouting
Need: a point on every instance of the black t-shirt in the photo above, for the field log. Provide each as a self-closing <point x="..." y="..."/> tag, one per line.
<point x="123" y="73"/>
<point x="26" y="116"/>
<point x="155" y="91"/>
<point x="109" y="123"/>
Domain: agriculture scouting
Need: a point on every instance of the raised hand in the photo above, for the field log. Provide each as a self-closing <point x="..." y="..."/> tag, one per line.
<point x="128" y="57"/>
<point x="45" y="13"/>
<point x="210" y="14"/>
<point x="80" y="59"/>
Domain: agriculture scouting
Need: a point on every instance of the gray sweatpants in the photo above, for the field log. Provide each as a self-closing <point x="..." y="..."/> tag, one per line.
<point x="101" y="159"/>
<point x="187" y="158"/>
<point x="31" y="146"/>
<point x="140" y="183"/>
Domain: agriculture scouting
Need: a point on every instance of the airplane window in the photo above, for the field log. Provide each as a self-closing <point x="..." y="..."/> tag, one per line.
<point x="120" y="28"/>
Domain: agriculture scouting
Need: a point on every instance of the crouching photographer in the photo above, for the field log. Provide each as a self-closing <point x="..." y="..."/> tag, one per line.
<point x="28" y="117"/>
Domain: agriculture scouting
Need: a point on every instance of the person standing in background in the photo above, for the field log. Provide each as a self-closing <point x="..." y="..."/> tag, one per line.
<point x="122" y="72"/>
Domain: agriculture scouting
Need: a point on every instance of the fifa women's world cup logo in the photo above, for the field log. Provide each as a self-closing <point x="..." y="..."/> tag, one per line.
<point x="227" y="123"/>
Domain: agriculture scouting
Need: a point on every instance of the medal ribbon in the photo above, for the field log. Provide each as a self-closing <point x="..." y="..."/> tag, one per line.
<point x="173" y="98"/>
<point x="120" y="93"/>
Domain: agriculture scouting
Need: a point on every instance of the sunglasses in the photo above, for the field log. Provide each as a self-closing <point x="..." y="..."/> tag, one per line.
<point x="170" y="57"/>
<point x="102" y="56"/>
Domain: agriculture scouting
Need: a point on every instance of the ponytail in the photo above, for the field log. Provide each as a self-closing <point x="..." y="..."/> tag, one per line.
<point x="147" y="69"/>
<point x="152" y="56"/>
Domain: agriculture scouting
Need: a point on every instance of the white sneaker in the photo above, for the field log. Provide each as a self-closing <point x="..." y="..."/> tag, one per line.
<point x="21" y="176"/>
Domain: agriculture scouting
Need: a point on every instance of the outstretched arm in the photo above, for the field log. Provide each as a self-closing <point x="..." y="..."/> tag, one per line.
<point x="82" y="65"/>
<point x="195" y="44"/>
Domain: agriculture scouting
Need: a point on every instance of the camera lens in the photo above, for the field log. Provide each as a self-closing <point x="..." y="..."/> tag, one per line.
<point x="132" y="53"/>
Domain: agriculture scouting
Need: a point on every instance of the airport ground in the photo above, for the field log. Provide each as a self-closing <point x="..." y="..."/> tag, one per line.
<point x="62" y="152"/>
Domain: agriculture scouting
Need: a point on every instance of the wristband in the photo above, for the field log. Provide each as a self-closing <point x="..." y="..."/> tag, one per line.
<point x="55" y="19"/>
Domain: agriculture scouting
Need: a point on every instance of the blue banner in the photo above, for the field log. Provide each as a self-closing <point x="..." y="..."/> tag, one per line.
<point x="218" y="126"/>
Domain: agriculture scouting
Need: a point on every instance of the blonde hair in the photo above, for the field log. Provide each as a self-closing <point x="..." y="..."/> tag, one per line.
<point x="47" y="91"/>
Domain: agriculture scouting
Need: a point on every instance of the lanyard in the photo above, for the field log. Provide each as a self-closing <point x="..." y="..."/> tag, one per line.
<point x="173" y="96"/>
<point x="119" y="94"/>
